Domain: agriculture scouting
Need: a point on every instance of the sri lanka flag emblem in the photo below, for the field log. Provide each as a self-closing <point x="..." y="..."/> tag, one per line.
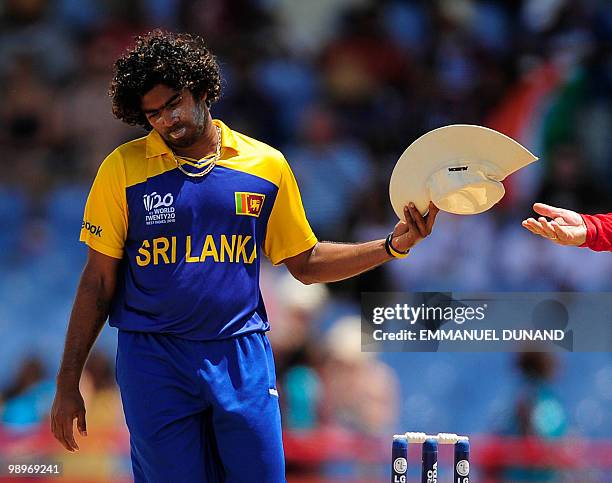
<point x="249" y="204"/>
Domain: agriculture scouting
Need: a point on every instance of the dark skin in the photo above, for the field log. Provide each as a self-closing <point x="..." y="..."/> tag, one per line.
<point x="185" y="124"/>
<point x="173" y="113"/>
<point x="89" y="313"/>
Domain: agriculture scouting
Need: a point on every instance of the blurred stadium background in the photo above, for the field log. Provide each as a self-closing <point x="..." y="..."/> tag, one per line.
<point x="341" y="87"/>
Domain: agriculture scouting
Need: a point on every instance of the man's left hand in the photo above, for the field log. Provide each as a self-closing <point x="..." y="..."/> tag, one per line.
<point x="407" y="233"/>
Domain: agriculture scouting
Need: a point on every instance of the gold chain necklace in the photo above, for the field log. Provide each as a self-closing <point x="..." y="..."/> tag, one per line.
<point x="208" y="162"/>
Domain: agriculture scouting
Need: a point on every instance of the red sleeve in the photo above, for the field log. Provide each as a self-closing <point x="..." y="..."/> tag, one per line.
<point x="599" y="232"/>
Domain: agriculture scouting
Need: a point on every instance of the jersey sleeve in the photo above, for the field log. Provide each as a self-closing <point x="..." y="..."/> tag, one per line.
<point x="288" y="232"/>
<point x="599" y="232"/>
<point x="105" y="221"/>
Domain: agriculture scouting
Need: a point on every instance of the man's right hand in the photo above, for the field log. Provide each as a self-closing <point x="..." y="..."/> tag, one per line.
<point x="67" y="406"/>
<point x="414" y="227"/>
<point x="566" y="227"/>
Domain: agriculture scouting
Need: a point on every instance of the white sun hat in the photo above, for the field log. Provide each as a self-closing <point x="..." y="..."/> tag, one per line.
<point x="458" y="167"/>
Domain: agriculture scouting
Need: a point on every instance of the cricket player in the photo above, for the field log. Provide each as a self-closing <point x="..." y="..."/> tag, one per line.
<point x="566" y="227"/>
<point x="176" y="224"/>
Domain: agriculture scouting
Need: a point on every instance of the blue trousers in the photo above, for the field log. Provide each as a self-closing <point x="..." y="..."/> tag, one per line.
<point x="201" y="411"/>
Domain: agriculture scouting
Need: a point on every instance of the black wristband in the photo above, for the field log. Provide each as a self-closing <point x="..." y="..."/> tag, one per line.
<point x="387" y="243"/>
<point x="391" y="250"/>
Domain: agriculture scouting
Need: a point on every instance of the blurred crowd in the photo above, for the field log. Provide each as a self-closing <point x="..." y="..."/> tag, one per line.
<point x="341" y="87"/>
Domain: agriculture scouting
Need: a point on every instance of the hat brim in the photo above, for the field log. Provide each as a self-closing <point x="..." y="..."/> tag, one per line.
<point x="448" y="146"/>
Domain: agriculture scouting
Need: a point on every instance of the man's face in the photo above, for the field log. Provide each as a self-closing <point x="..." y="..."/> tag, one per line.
<point x="175" y="115"/>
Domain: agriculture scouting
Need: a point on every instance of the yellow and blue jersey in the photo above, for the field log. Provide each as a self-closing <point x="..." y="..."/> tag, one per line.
<point x="191" y="247"/>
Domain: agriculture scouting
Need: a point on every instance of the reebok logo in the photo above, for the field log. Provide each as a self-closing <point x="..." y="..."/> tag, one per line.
<point x="91" y="228"/>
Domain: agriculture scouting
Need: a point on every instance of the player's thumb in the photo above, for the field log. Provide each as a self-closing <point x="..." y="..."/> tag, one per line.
<point x="81" y="423"/>
<point x="549" y="211"/>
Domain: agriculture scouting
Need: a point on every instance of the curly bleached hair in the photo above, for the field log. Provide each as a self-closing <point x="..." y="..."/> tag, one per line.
<point x="177" y="60"/>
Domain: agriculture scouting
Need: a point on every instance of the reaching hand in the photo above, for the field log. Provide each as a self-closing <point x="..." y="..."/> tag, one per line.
<point x="566" y="227"/>
<point x="408" y="233"/>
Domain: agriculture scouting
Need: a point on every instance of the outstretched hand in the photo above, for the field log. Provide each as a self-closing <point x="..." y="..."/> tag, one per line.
<point x="565" y="227"/>
<point x="407" y="233"/>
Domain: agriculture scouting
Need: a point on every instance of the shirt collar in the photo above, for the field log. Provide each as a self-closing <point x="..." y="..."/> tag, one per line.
<point x="155" y="145"/>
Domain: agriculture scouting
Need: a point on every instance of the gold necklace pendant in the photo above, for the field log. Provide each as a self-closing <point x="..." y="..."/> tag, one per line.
<point x="208" y="162"/>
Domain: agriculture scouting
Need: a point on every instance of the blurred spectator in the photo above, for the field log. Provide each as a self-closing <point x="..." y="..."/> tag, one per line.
<point x="363" y="69"/>
<point x="28" y="135"/>
<point x="361" y="392"/>
<point x="537" y="411"/>
<point x="28" y="111"/>
<point x="243" y="101"/>
<point x="363" y="58"/>
<point x="332" y="172"/>
<point x="295" y="342"/>
<point x="27" y="400"/>
<point x="570" y="182"/>
<point x="90" y="132"/>
<point x="101" y="395"/>
<point x="307" y="27"/>
<point x="27" y="29"/>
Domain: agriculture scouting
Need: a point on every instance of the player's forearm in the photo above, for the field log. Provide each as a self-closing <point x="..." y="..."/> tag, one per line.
<point x="88" y="316"/>
<point x="331" y="262"/>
